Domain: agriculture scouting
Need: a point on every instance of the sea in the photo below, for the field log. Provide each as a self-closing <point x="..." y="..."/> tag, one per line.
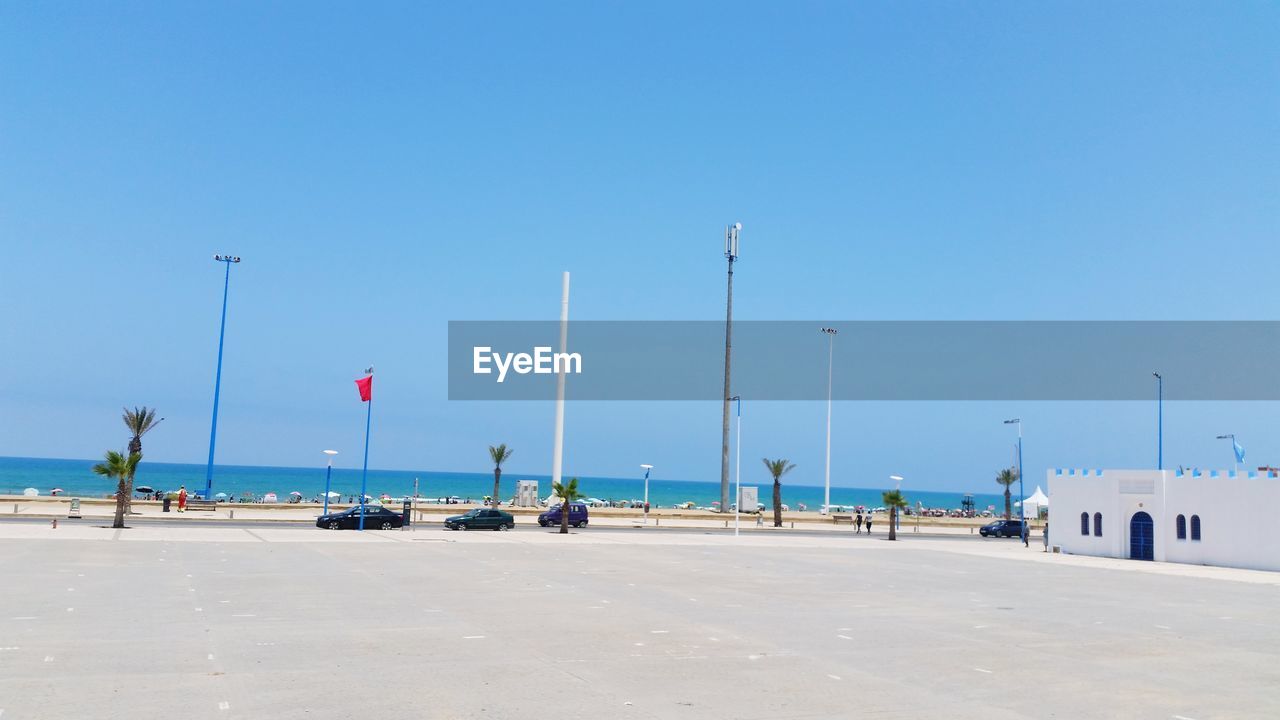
<point x="75" y="478"/>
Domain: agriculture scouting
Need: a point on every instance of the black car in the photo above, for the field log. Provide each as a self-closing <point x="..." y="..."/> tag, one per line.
<point x="1002" y="528"/>
<point x="481" y="519"/>
<point x="376" y="517"/>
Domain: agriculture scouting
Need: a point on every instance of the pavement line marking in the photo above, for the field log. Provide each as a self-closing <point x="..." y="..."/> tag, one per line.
<point x="11" y="647"/>
<point x="472" y="637"/>
<point x="48" y="658"/>
<point x="199" y="609"/>
<point x="754" y="657"/>
<point x="978" y="627"/>
<point x="834" y="677"/>
<point x="659" y="632"/>
<point x="844" y="637"/>
<point x="244" y="615"/>
<point x="1163" y="627"/>
<point x="224" y="601"/>
<point x="1182" y="717"/>
<point x="71" y="609"/>
<point x="210" y="656"/>
<point x="981" y="670"/>
<point x="24" y="617"/>
<point x="224" y="705"/>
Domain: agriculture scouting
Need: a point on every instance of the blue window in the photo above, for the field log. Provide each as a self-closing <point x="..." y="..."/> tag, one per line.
<point x="1097" y="524"/>
<point x="1182" y="527"/>
<point x="1195" y="527"/>
<point x="1084" y="523"/>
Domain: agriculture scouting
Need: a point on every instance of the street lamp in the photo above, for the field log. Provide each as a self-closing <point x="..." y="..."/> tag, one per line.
<point x="229" y="260"/>
<point x="647" y="468"/>
<point x="826" y="495"/>
<point x="1159" y="420"/>
<point x="737" y="469"/>
<point x="1235" y="456"/>
<point x="1021" y="494"/>
<point x="328" y="473"/>
<point x="731" y="253"/>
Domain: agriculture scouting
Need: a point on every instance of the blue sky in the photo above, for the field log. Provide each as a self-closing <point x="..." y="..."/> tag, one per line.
<point x="384" y="168"/>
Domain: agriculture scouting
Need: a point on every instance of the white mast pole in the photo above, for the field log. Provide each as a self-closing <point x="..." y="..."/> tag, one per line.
<point x="557" y="456"/>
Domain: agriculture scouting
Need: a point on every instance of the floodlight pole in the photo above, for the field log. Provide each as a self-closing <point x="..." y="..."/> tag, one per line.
<point x="737" y="471"/>
<point x="826" y="495"/>
<point x="229" y="260"/>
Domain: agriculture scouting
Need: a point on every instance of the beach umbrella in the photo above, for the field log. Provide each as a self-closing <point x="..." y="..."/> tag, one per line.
<point x="269" y="498"/>
<point x="334" y="494"/>
<point x="140" y="488"/>
<point x="55" y="491"/>
<point x="220" y="496"/>
<point x="295" y="492"/>
<point x="30" y="492"/>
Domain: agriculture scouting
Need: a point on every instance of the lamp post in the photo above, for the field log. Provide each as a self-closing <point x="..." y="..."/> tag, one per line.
<point x="1022" y="496"/>
<point x="731" y="253"/>
<point x="1159" y="420"/>
<point x="229" y="260"/>
<point x="328" y="473"/>
<point x="1235" y="457"/>
<point x="647" y="468"/>
<point x="826" y="494"/>
<point x="737" y="468"/>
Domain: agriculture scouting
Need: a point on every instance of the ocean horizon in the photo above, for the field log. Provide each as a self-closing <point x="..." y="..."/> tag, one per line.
<point x="75" y="477"/>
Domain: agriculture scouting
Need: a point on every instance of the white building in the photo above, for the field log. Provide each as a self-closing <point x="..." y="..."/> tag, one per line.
<point x="1204" y="518"/>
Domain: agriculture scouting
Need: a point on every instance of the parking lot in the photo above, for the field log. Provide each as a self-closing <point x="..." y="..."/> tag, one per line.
<point x="281" y="623"/>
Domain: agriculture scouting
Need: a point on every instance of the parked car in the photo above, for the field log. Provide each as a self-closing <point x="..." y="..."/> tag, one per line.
<point x="481" y="519"/>
<point x="577" y="515"/>
<point x="1002" y="528"/>
<point x="376" y="517"/>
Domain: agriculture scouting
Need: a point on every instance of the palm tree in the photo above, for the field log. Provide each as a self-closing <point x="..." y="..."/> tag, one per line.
<point x="499" y="455"/>
<point x="893" y="500"/>
<point x="140" y="421"/>
<point x="567" y="494"/>
<point x="1007" y="477"/>
<point x="120" y="469"/>
<point x="778" y="468"/>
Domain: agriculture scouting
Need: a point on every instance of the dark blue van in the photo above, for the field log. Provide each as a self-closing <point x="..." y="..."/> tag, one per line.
<point x="577" y="516"/>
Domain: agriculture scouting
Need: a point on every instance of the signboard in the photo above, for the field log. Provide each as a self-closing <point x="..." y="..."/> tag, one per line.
<point x="749" y="500"/>
<point x="74" y="512"/>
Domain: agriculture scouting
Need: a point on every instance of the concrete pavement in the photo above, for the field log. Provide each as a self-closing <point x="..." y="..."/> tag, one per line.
<point x="283" y="623"/>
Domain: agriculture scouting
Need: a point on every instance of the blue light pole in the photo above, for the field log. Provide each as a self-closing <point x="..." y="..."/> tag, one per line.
<point x="217" y="380"/>
<point x="328" y="473"/>
<point x="1159" y="420"/>
<point x="1022" y="495"/>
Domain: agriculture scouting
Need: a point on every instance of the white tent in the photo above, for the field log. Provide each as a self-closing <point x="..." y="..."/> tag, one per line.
<point x="30" y="492"/>
<point x="1031" y="506"/>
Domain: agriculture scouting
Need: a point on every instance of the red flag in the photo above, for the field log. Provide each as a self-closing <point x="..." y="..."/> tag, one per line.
<point x="365" y="386"/>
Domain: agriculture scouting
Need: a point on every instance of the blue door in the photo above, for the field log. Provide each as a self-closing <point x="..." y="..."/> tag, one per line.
<point x="1141" y="542"/>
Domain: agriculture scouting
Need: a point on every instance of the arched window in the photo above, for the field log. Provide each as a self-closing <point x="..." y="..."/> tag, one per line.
<point x="1182" y="527"/>
<point x="1084" y="523"/>
<point x="1097" y="524"/>
<point x="1195" y="527"/>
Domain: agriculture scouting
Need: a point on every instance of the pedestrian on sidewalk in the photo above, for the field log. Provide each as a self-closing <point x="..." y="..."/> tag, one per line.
<point x="868" y="521"/>
<point x="858" y="521"/>
<point x="1026" y="533"/>
<point x="1046" y="536"/>
<point x="182" y="499"/>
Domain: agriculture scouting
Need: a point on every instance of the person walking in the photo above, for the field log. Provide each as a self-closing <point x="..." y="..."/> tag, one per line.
<point x="1026" y="533"/>
<point x="182" y="499"/>
<point x="868" y="522"/>
<point x="1046" y="536"/>
<point x="858" y="521"/>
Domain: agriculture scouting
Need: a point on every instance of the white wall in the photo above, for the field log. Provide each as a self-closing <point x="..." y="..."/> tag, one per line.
<point x="1237" y="515"/>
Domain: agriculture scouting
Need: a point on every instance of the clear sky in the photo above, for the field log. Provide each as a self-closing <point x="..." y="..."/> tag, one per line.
<point x="384" y="168"/>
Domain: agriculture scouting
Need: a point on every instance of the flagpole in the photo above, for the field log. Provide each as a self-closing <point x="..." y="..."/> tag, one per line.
<point x="364" y="473"/>
<point x="557" y="454"/>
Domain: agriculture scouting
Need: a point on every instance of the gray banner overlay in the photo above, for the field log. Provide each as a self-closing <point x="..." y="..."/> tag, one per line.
<point x="875" y="360"/>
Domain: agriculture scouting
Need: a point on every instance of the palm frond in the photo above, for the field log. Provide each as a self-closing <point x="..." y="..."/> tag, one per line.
<point x="500" y="454"/>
